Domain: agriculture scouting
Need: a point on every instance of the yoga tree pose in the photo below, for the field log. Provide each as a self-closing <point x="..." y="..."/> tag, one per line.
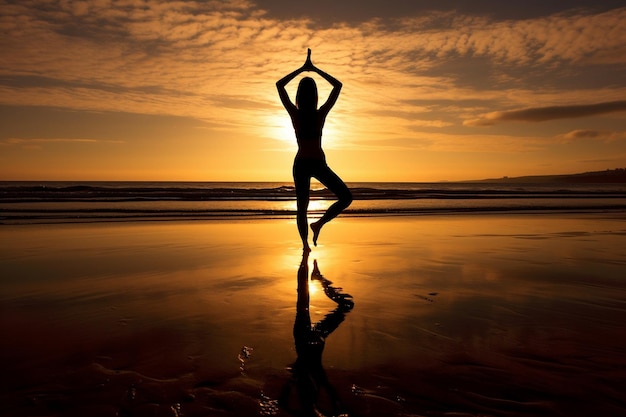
<point x="310" y="161"/>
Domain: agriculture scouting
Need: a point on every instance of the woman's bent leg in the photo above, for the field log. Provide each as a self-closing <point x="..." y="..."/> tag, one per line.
<point x="344" y="198"/>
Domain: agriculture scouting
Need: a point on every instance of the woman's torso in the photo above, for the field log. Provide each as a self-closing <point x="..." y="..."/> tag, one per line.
<point x="308" y="126"/>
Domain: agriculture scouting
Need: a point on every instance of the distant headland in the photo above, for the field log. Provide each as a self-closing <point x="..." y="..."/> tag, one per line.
<point x="608" y="176"/>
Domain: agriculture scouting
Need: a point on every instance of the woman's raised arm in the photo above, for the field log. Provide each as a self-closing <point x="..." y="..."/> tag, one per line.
<point x="334" y="94"/>
<point x="308" y="66"/>
<point x="282" y="93"/>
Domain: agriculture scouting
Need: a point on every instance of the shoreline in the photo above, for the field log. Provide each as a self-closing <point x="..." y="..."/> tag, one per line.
<point x="127" y="202"/>
<point x="38" y="217"/>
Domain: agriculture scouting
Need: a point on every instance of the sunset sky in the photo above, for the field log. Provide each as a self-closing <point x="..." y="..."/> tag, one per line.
<point x="432" y="90"/>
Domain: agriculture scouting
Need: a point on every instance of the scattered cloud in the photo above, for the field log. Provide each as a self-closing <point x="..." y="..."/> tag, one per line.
<point x="183" y="58"/>
<point x="600" y="135"/>
<point x="415" y="76"/>
<point x="616" y="160"/>
<point x="453" y="143"/>
<point x="41" y="141"/>
<point x="353" y="11"/>
<point x="541" y="114"/>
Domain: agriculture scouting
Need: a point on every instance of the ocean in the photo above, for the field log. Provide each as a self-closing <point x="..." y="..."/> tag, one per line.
<point x="23" y="202"/>
<point x="193" y="299"/>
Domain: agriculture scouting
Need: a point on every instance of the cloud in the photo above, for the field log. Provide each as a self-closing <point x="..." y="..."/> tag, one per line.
<point x="327" y="12"/>
<point x="41" y="141"/>
<point x="217" y="61"/>
<point x="567" y="37"/>
<point x="619" y="160"/>
<point x="600" y="135"/>
<point x="444" y="142"/>
<point x="541" y="114"/>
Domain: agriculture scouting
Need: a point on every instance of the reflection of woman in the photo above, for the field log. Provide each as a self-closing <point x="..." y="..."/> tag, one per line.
<point x="310" y="161"/>
<point x="308" y="374"/>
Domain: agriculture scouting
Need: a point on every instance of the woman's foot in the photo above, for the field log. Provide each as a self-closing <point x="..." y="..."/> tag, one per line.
<point x="316" y="274"/>
<point x="316" y="227"/>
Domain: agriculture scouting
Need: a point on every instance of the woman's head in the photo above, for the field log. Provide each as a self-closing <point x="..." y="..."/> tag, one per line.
<point x="306" y="97"/>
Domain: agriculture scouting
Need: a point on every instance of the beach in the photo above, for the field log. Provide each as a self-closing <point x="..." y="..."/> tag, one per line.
<point x="489" y="314"/>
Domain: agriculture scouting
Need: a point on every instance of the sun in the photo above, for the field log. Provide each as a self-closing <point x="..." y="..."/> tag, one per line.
<point x="278" y="127"/>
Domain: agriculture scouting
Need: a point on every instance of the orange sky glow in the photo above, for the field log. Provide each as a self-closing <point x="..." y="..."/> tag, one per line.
<point x="185" y="90"/>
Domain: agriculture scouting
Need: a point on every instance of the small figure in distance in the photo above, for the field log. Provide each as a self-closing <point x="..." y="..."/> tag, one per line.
<point x="310" y="161"/>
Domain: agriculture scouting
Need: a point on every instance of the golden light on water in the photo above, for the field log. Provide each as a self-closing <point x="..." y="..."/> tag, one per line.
<point x="315" y="206"/>
<point x="314" y="288"/>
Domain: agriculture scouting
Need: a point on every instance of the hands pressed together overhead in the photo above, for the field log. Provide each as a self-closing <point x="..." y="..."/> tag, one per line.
<point x="308" y="65"/>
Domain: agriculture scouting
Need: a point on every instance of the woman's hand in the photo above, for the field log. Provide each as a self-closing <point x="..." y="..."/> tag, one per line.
<point x="308" y="65"/>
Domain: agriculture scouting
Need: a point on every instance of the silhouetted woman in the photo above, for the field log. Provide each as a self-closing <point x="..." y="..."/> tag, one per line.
<point x="310" y="161"/>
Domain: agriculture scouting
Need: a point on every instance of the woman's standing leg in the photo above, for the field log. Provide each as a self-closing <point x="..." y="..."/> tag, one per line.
<point x="302" y="182"/>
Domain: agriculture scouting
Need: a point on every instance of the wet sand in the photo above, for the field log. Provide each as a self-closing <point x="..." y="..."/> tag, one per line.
<point x="477" y="315"/>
